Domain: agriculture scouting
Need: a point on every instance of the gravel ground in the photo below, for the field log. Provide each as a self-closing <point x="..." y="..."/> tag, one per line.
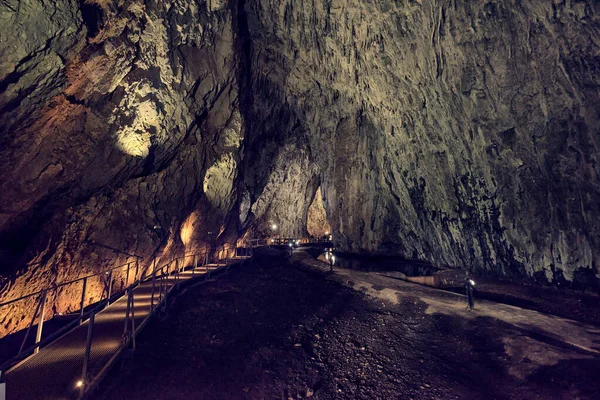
<point x="274" y="330"/>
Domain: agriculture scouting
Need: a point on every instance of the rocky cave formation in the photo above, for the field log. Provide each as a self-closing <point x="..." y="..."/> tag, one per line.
<point x="462" y="133"/>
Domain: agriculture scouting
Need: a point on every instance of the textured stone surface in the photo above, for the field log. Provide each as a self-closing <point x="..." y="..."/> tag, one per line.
<point x="128" y="138"/>
<point x="464" y="133"/>
<point x="317" y="224"/>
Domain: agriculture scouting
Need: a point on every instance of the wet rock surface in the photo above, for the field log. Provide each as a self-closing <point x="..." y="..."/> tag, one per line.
<point x="271" y="330"/>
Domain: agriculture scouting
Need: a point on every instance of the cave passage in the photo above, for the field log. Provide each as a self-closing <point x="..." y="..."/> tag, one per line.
<point x="375" y="157"/>
<point x="92" y="15"/>
<point x="282" y="328"/>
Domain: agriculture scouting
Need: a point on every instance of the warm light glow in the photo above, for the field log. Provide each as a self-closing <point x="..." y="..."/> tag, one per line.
<point x="218" y="181"/>
<point x="274" y="227"/>
<point x="79" y="383"/>
<point x="272" y="240"/>
<point x="187" y="228"/>
<point x="327" y="233"/>
<point x="332" y="259"/>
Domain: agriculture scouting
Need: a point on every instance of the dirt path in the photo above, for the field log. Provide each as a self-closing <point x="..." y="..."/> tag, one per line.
<point x="270" y="330"/>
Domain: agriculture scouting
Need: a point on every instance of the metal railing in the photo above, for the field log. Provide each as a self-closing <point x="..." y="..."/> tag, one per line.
<point x="164" y="279"/>
<point x="279" y="241"/>
<point x="157" y="281"/>
<point x="106" y="279"/>
<point x="159" y="276"/>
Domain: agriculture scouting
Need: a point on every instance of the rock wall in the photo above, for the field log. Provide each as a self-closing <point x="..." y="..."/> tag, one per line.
<point x="120" y="133"/>
<point x="317" y="224"/>
<point x="463" y="133"/>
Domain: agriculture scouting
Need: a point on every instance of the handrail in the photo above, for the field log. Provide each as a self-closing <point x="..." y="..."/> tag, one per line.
<point x="158" y="271"/>
<point x="169" y="280"/>
<point x="56" y="286"/>
<point x="113" y="249"/>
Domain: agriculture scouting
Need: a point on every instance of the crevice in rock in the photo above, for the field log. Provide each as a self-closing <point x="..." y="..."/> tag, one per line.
<point x="93" y="17"/>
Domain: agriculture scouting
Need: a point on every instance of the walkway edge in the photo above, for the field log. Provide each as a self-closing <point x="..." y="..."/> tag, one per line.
<point x="589" y="335"/>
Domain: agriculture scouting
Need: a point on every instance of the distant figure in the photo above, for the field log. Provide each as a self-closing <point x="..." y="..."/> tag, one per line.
<point x="469" y="284"/>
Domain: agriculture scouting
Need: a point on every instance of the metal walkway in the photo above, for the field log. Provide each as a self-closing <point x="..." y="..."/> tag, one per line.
<point x="56" y="371"/>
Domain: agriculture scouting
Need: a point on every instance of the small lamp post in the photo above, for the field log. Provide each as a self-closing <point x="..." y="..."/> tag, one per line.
<point x="274" y="229"/>
<point x="331" y="261"/>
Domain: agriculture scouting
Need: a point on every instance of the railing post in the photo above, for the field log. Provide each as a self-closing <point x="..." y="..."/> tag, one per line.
<point x="153" y="285"/>
<point x="132" y="321"/>
<point x="137" y="267"/>
<point x="82" y="303"/>
<point x="195" y="265"/>
<point x="125" y="333"/>
<point x="2" y="386"/>
<point x="165" y="290"/>
<point x="162" y="283"/>
<point x="40" y="327"/>
<point x="127" y="275"/>
<point x="37" y="308"/>
<point x="109" y="288"/>
<point x="86" y="358"/>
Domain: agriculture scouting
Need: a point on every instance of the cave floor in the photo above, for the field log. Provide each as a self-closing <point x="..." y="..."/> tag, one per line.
<point x="275" y="329"/>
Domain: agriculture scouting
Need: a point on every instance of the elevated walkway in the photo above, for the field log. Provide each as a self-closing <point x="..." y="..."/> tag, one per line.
<point x="70" y="366"/>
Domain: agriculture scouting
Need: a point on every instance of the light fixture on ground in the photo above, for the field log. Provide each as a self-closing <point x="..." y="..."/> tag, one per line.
<point x="330" y="257"/>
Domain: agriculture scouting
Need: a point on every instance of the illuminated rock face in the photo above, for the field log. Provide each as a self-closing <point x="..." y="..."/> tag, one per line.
<point x="111" y="128"/>
<point x="317" y="224"/>
<point x="464" y="133"/>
